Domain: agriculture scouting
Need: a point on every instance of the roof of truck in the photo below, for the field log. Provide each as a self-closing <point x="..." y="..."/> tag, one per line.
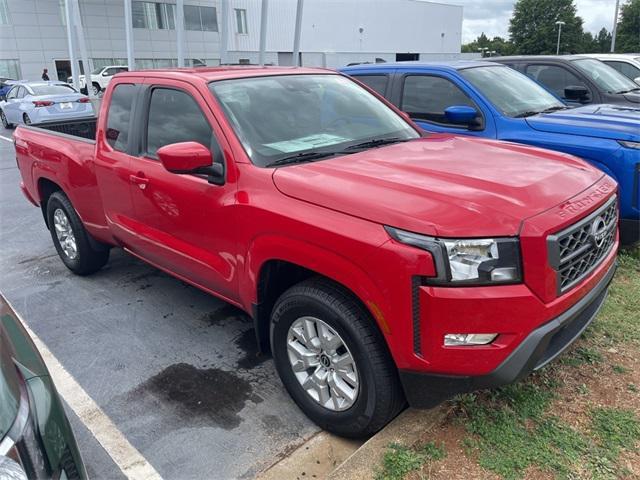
<point x="221" y="73"/>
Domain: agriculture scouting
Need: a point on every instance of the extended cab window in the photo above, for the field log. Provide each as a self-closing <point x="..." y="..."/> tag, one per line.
<point x="625" y="68"/>
<point x="554" y="78"/>
<point x="118" y="120"/>
<point x="426" y="97"/>
<point x="174" y="116"/>
<point x="374" y="82"/>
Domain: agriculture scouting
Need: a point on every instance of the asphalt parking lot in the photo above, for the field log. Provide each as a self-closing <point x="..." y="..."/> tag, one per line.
<point x="175" y="369"/>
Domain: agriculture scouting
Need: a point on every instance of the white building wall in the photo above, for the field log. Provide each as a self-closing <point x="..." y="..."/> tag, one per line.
<point x="331" y="36"/>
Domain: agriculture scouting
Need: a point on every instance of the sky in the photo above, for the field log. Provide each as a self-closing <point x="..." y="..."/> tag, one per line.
<point x="492" y="16"/>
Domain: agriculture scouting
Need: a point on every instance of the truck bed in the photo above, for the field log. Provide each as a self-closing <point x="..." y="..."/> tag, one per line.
<point x="83" y="127"/>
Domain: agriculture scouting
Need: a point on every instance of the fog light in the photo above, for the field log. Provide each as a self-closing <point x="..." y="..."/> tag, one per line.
<point x="456" y="339"/>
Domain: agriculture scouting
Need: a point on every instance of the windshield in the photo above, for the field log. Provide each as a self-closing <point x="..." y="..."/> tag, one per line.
<point x="607" y="78"/>
<point x="52" y="89"/>
<point x="511" y="92"/>
<point x="279" y="116"/>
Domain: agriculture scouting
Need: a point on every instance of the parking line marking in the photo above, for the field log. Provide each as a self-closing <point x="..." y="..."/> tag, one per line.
<point x="124" y="455"/>
<point x="6" y="138"/>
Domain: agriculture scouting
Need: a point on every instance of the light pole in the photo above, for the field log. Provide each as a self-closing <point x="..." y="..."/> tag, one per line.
<point x="560" y="23"/>
<point x="615" y="27"/>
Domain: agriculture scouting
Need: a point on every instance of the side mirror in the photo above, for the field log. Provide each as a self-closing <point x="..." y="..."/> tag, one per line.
<point x="461" y="115"/>
<point x="576" y="92"/>
<point x="105" y="74"/>
<point x="191" y="158"/>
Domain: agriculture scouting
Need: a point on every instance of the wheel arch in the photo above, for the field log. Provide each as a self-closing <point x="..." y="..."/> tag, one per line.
<point x="46" y="188"/>
<point x="271" y="273"/>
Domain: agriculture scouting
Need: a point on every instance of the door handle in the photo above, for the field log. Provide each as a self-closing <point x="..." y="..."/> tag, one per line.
<point x="141" y="181"/>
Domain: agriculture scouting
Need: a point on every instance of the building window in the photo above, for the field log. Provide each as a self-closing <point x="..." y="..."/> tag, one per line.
<point x="200" y="18"/>
<point x="154" y="16"/>
<point x="107" y="62"/>
<point x="241" y="20"/>
<point x="10" y="68"/>
<point x="4" y="13"/>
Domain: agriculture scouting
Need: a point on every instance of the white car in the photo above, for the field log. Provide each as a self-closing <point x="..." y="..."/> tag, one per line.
<point x="627" y="64"/>
<point x="100" y="77"/>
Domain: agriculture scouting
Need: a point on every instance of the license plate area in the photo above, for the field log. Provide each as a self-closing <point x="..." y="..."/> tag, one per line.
<point x="65" y="105"/>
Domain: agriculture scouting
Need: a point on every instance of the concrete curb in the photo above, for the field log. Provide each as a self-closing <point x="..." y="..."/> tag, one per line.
<point x="312" y="460"/>
<point x="405" y="429"/>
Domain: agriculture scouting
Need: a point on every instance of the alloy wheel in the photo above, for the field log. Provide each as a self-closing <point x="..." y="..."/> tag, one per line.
<point x="64" y="233"/>
<point x="322" y="363"/>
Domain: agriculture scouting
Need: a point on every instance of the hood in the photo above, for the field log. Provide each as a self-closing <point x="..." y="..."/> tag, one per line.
<point x="449" y="186"/>
<point x="615" y="122"/>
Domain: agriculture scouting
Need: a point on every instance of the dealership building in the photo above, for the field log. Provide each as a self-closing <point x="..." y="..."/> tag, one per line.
<point x="333" y="33"/>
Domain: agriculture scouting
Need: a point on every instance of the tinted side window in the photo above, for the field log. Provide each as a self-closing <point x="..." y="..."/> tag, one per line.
<point x="119" y="114"/>
<point x="110" y="71"/>
<point x="13" y="93"/>
<point x="174" y="116"/>
<point x="554" y="78"/>
<point x="374" y="82"/>
<point x="426" y="97"/>
<point x="625" y="68"/>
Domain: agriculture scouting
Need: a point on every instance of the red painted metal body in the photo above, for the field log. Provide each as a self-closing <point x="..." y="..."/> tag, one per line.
<point x="328" y="217"/>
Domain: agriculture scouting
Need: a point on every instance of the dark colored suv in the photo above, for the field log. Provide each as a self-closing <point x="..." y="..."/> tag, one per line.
<point x="577" y="80"/>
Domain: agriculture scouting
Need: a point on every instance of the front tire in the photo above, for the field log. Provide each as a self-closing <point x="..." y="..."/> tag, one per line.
<point x="95" y="88"/>
<point x="5" y="123"/>
<point x="71" y="239"/>
<point x="333" y="360"/>
<point x="26" y="119"/>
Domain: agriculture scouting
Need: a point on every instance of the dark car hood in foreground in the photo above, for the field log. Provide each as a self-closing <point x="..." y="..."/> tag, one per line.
<point x="616" y="122"/>
<point x="449" y="186"/>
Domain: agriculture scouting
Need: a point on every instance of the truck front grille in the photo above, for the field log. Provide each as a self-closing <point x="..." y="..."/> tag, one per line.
<point x="578" y="249"/>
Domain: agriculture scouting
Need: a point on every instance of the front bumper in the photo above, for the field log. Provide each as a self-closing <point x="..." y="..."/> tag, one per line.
<point x="542" y="345"/>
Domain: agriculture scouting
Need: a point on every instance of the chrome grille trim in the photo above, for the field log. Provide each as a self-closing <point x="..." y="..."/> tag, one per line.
<point x="575" y="251"/>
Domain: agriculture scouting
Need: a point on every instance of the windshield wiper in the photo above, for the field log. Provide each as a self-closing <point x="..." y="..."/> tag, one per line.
<point x="377" y="142"/>
<point x="530" y="113"/>
<point x="302" y="157"/>
<point x="628" y="91"/>
<point x="554" y="109"/>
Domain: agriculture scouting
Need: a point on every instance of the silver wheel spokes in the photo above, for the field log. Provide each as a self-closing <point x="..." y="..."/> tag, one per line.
<point x="64" y="232"/>
<point x="322" y="363"/>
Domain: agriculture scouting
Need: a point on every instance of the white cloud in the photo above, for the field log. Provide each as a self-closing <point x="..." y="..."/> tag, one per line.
<point x="492" y="16"/>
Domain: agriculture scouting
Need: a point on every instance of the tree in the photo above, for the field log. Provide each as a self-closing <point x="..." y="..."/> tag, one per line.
<point x="628" y="38"/>
<point x="533" y="28"/>
<point x="603" y="41"/>
<point x="496" y="44"/>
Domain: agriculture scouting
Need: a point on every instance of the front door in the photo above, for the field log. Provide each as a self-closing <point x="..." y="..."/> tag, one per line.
<point x="184" y="224"/>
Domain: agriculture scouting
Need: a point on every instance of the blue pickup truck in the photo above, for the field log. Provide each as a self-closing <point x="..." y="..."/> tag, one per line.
<point x="494" y="101"/>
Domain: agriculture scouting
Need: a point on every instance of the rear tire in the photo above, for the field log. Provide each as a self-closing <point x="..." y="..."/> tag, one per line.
<point x="5" y="123"/>
<point x="71" y="239"/>
<point x="26" y="119"/>
<point x="95" y="88"/>
<point x="373" y="395"/>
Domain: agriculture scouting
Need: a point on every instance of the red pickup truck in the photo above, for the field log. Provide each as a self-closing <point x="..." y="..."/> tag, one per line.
<point x="379" y="266"/>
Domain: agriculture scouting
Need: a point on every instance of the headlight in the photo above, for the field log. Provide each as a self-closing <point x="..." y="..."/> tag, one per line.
<point x="635" y="145"/>
<point x="468" y="261"/>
